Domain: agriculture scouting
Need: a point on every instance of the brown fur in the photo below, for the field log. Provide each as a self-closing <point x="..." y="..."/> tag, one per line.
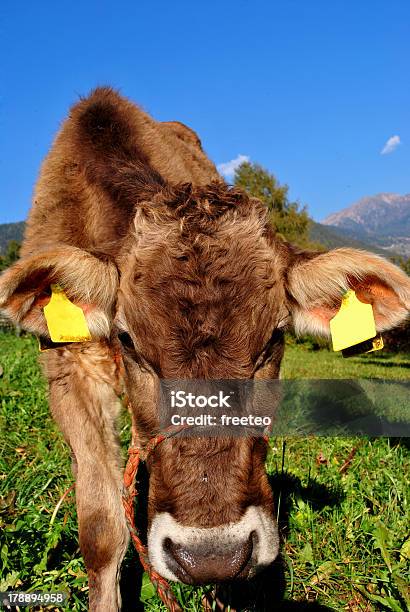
<point x="131" y="217"/>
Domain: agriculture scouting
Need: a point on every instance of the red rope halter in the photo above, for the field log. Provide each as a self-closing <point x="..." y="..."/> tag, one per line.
<point x="135" y="456"/>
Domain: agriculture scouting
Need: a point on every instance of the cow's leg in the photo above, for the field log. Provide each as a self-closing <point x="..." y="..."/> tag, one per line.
<point x="85" y="405"/>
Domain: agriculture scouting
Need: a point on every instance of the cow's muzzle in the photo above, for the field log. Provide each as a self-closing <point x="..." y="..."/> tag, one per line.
<point x="206" y="562"/>
<point x="204" y="555"/>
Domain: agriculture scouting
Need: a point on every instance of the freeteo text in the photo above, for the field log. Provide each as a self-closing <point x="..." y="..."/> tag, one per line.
<point x="226" y="420"/>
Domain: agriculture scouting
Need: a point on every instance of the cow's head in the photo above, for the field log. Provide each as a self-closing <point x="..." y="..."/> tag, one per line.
<point x="204" y="291"/>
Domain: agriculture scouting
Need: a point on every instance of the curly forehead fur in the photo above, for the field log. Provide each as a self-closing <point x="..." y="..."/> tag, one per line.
<point x="212" y="295"/>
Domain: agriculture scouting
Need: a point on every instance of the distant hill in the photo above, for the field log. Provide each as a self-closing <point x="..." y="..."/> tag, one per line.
<point x="10" y="231"/>
<point x="332" y="238"/>
<point x="382" y="220"/>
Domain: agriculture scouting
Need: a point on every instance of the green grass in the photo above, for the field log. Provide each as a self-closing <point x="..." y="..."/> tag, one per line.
<point x="301" y="363"/>
<point x="345" y="527"/>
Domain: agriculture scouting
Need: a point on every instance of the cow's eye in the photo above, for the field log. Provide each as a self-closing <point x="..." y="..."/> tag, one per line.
<point x="126" y="340"/>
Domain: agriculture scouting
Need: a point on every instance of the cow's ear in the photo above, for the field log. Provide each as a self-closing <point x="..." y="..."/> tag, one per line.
<point x="88" y="281"/>
<point x="183" y="132"/>
<point x="316" y="283"/>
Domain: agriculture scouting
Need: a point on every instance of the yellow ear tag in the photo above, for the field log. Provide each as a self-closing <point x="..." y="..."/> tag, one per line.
<point x="66" y="322"/>
<point x="353" y="324"/>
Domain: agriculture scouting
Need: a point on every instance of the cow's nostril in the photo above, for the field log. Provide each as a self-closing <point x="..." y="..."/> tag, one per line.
<point x="201" y="563"/>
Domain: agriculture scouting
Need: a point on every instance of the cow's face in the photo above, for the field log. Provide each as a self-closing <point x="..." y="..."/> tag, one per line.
<point x="204" y="291"/>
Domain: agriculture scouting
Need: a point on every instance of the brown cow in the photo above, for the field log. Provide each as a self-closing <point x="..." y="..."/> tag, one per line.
<point x="184" y="276"/>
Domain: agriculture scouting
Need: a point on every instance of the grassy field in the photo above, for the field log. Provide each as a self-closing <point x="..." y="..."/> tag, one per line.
<point x="342" y="504"/>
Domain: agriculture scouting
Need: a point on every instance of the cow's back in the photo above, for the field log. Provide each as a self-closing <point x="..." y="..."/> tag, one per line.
<point x="69" y="208"/>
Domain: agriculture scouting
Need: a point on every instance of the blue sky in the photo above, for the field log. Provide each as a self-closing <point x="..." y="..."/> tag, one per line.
<point x="311" y="90"/>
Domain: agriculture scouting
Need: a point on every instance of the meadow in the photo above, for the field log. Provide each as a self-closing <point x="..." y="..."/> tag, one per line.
<point x="342" y="503"/>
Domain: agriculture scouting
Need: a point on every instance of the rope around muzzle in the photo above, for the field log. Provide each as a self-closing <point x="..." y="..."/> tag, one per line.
<point x="135" y="455"/>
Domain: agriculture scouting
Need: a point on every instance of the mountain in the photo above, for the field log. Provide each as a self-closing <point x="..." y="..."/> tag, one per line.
<point x="10" y="231"/>
<point x="382" y="220"/>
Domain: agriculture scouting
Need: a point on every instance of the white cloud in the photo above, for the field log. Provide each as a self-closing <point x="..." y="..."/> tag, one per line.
<point x="228" y="168"/>
<point x="391" y="144"/>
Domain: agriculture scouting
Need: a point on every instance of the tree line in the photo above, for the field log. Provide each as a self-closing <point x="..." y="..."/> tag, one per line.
<point x="11" y="255"/>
